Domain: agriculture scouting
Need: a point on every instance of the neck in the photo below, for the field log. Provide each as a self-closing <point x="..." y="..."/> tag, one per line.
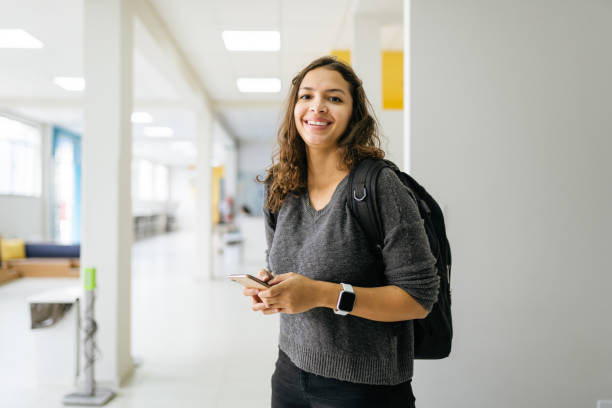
<point x="324" y="167"/>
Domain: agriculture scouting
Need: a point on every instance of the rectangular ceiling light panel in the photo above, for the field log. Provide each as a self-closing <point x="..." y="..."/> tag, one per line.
<point x="70" y="83"/>
<point x="185" y="147"/>
<point x="158" y="131"/>
<point x="267" y="85"/>
<point x="18" y="38"/>
<point x="251" y="40"/>
<point x="141" y="117"/>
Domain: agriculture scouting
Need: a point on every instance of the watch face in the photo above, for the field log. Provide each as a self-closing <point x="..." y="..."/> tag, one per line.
<point x="347" y="301"/>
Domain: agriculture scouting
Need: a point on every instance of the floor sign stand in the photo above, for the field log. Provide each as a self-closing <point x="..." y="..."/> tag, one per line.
<point x="90" y="395"/>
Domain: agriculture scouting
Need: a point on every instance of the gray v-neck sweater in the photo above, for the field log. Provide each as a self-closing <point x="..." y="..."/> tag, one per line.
<point x="330" y="245"/>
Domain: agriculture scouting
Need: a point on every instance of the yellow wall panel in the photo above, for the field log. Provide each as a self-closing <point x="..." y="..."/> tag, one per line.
<point x="217" y="175"/>
<point x="392" y="76"/>
<point x="342" y="55"/>
<point x="393" y="79"/>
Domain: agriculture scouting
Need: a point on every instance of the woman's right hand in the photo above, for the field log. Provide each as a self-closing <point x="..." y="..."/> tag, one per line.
<point x="265" y="276"/>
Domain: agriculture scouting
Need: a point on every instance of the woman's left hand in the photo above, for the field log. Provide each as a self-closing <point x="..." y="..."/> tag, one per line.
<point x="291" y="293"/>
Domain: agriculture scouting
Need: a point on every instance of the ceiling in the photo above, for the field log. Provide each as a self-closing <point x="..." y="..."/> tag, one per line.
<point x="308" y="30"/>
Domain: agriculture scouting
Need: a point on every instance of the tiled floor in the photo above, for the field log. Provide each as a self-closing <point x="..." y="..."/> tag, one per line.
<point x="199" y="343"/>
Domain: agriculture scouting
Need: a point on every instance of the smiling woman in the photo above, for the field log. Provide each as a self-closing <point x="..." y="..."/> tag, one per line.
<point x="340" y="345"/>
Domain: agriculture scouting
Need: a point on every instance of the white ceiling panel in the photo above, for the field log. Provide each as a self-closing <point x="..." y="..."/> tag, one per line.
<point x="253" y="124"/>
<point x="69" y="118"/>
<point x="149" y="84"/>
<point x="308" y="30"/>
<point x="30" y="72"/>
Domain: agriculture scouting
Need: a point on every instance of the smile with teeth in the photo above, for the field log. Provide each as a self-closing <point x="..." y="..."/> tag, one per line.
<point x="314" y="123"/>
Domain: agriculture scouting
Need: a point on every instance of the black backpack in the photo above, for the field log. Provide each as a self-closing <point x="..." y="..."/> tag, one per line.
<point x="432" y="335"/>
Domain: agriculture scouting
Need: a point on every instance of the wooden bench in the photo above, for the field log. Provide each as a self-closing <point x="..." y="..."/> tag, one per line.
<point x="45" y="267"/>
<point x="7" y="275"/>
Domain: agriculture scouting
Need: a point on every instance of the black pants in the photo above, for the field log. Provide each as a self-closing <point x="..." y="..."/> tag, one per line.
<point x="295" y="388"/>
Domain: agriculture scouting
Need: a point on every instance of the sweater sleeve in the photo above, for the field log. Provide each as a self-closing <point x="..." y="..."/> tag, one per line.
<point x="409" y="263"/>
<point x="270" y="226"/>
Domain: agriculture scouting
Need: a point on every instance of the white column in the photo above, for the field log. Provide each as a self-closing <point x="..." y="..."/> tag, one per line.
<point x="407" y="114"/>
<point x="107" y="156"/>
<point x="203" y="195"/>
<point x="232" y="172"/>
<point x="366" y="57"/>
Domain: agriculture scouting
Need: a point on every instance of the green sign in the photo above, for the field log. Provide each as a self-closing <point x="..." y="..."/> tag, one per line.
<point x="90" y="278"/>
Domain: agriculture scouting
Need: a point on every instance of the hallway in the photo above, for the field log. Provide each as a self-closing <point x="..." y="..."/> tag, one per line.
<point x="197" y="342"/>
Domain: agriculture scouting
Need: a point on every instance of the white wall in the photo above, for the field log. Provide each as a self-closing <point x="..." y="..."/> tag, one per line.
<point x="391" y="128"/>
<point x="255" y="156"/>
<point x="182" y="193"/>
<point x="511" y="130"/>
<point x="182" y="179"/>
<point x="253" y="159"/>
<point x="225" y="154"/>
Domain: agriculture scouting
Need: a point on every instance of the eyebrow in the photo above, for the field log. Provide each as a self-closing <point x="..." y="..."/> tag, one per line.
<point x="307" y="88"/>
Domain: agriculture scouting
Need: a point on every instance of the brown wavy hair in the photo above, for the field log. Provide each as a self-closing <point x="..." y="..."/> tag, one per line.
<point x="289" y="170"/>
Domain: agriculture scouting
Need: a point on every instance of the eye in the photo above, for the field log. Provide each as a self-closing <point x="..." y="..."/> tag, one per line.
<point x="335" y="99"/>
<point x="305" y="97"/>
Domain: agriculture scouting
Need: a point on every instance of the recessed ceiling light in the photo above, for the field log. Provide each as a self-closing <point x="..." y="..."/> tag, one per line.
<point x="258" y="84"/>
<point x="18" y="38"/>
<point x="158" y="131"/>
<point x="70" y="83"/>
<point x="251" y="40"/>
<point x="141" y="117"/>
<point x="184" y="147"/>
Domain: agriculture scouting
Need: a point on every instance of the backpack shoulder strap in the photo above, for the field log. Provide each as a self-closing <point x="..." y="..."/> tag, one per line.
<point x="363" y="200"/>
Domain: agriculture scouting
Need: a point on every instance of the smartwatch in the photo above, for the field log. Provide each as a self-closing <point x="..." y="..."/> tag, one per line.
<point x="346" y="300"/>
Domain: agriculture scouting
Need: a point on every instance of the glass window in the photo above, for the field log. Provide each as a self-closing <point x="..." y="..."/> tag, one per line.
<point x="65" y="188"/>
<point x="161" y="183"/>
<point x="150" y="181"/>
<point x="20" y="158"/>
<point x="144" y="180"/>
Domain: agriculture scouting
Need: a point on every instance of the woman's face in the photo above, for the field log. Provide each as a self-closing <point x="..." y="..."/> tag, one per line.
<point x="323" y="109"/>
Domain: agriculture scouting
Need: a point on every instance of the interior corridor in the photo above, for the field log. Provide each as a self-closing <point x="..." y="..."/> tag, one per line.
<point x="196" y="342"/>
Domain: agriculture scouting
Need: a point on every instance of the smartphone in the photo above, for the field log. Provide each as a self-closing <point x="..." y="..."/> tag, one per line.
<point x="249" y="281"/>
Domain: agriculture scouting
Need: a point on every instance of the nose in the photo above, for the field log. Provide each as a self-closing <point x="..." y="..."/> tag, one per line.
<point x="318" y="106"/>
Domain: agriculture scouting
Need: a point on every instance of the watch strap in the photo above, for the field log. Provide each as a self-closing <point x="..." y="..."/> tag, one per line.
<point x="347" y="288"/>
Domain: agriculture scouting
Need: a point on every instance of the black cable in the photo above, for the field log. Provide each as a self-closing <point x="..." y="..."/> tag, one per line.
<point x="90" y="328"/>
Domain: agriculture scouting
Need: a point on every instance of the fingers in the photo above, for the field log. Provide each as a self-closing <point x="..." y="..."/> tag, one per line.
<point x="264" y="275"/>
<point x="276" y="287"/>
<point x="280" y="278"/>
<point x="262" y="304"/>
<point x="250" y="291"/>
<point x="260" y="307"/>
<point x="259" y="303"/>
<point x="266" y="303"/>
<point x="271" y="302"/>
